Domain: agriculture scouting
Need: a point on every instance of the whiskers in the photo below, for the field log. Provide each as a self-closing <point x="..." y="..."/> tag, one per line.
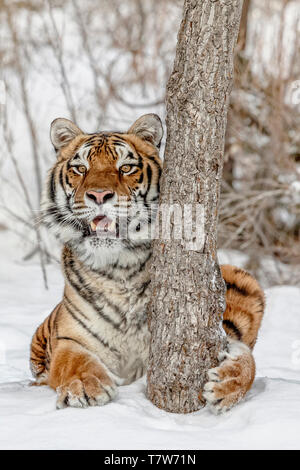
<point x="39" y="217"/>
<point x="60" y="215"/>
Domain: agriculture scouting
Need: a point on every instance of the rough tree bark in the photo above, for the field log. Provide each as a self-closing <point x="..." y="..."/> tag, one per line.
<point x="187" y="300"/>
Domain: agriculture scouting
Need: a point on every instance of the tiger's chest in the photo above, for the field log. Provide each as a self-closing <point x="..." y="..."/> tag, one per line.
<point x="128" y="340"/>
<point x="115" y="310"/>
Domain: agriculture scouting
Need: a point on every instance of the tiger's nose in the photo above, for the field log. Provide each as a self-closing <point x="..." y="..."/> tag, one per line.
<point x="99" y="197"/>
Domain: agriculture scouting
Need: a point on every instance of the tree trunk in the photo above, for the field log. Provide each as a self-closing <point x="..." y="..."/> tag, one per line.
<point x="187" y="287"/>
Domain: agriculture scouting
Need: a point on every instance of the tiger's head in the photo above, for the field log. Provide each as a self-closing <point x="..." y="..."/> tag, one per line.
<point x="101" y="193"/>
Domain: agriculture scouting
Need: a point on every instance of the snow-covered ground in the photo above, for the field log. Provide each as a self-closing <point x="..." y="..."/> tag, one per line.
<point x="269" y="417"/>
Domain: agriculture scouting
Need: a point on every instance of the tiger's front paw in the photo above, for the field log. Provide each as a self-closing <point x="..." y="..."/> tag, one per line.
<point x="230" y="382"/>
<point x="89" y="391"/>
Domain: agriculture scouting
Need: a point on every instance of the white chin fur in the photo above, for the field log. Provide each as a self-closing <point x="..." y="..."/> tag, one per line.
<point x="106" y="252"/>
<point x="99" y="252"/>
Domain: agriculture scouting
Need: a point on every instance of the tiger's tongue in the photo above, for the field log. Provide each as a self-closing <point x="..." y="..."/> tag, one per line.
<point x="102" y="223"/>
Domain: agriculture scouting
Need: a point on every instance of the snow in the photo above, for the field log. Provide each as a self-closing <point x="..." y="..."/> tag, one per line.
<point x="269" y="417"/>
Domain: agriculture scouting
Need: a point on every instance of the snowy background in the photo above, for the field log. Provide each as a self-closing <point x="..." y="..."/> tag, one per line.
<point x="102" y="64"/>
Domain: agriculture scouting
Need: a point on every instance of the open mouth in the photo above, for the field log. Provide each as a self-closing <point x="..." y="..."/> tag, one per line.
<point x="103" y="226"/>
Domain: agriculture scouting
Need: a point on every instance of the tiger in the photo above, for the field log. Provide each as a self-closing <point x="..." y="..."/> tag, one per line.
<point x="97" y="338"/>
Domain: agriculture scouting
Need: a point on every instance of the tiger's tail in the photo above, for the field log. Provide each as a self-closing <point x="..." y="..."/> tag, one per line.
<point x="245" y="303"/>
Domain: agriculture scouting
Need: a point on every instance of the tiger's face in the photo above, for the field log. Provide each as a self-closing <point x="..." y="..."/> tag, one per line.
<point x="102" y="192"/>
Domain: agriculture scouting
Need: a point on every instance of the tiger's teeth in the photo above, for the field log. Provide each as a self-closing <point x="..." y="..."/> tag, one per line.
<point x="93" y="226"/>
<point x="112" y="226"/>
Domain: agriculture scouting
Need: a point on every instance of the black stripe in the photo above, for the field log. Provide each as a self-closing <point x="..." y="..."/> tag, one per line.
<point x="140" y="163"/>
<point x="61" y="177"/>
<point x="89" y="293"/>
<point x="260" y="299"/>
<point x="233" y="327"/>
<point x="39" y="344"/>
<point x="130" y="155"/>
<point x="141" y="267"/>
<point x="133" y="172"/>
<point x="52" y="188"/>
<point x="37" y="374"/>
<point x="68" y="181"/>
<point x="119" y="143"/>
<point x="159" y="176"/>
<point x="70" y="339"/>
<point x="39" y="354"/>
<point x="240" y="290"/>
<point x="104" y="343"/>
<point x="90" y="296"/>
<point x="153" y="158"/>
<point x="144" y="287"/>
<point x="40" y="340"/>
<point x="104" y="274"/>
<point x="49" y="334"/>
<point x="76" y="309"/>
<point x="241" y="271"/>
<point x="149" y="176"/>
<point x="109" y="150"/>
<point x="55" y="322"/>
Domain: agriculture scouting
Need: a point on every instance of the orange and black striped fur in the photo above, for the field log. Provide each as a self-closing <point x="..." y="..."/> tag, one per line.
<point x="97" y="337"/>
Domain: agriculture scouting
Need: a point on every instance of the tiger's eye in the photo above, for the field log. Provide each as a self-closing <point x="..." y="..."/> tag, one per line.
<point x="81" y="169"/>
<point x="125" y="168"/>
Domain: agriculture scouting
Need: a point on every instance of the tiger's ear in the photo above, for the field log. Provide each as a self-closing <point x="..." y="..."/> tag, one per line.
<point x="148" y="127"/>
<point x="62" y="132"/>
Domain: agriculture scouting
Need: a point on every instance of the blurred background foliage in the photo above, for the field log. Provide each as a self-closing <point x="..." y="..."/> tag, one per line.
<point x="102" y="63"/>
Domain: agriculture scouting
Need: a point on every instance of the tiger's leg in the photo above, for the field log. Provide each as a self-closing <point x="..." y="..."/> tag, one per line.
<point x="230" y="381"/>
<point x="79" y="378"/>
<point x="40" y="350"/>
